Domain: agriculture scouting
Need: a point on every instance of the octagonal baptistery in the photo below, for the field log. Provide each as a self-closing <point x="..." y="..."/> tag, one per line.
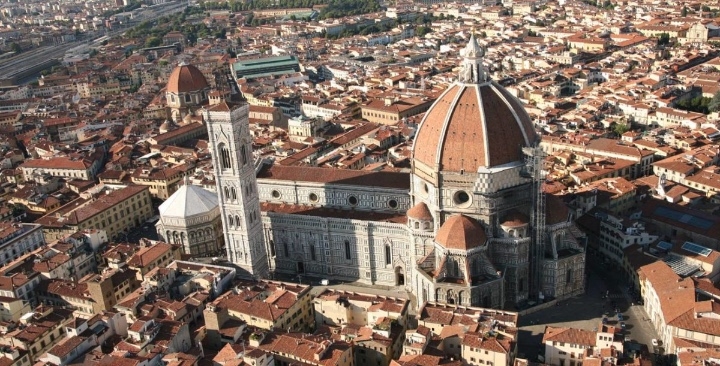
<point x="470" y="141"/>
<point x="191" y="218"/>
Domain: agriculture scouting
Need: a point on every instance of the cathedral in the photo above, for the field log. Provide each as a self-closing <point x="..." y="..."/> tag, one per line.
<point x="467" y="225"/>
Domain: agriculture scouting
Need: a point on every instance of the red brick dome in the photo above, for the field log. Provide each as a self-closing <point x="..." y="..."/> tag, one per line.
<point x="461" y="232"/>
<point x="475" y="123"/>
<point x="419" y="212"/>
<point x="186" y="78"/>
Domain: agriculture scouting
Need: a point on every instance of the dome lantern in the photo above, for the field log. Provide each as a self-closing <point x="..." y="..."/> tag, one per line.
<point x="473" y="70"/>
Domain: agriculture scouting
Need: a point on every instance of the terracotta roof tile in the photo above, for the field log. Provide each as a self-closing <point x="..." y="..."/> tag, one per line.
<point x="186" y="78"/>
<point x="461" y="232"/>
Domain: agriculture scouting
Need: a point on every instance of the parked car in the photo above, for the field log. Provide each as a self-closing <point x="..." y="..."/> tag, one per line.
<point x="622" y="325"/>
<point x="620" y="317"/>
<point x="654" y="342"/>
<point x="324" y="282"/>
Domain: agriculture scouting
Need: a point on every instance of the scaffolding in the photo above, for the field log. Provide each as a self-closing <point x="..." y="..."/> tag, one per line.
<point x="534" y="158"/>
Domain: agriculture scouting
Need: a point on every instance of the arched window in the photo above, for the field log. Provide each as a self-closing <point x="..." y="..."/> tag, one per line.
<point x="450" y="299"/>
<point x="285" y="247"/>
<point x="347" y="250"/>
<point x="225" y="162"/>
<point x="227" y="194"/>
<point x="312" y="252"/>
<point x="232" y="193"/>
<point x="243" y="155"/>
<point x="417" y="225"/>
<point x="388" y="254"/>
<point x="187" y="98"/>
<point x="231" y="222"/>
<point x="237" y="220"/>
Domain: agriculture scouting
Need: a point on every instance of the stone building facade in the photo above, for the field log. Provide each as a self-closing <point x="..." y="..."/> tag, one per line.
<point x="458" y="228"/>
<point x="191" y="219"/>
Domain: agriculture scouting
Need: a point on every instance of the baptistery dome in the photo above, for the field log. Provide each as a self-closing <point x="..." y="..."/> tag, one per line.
<point x="476" y="123"/>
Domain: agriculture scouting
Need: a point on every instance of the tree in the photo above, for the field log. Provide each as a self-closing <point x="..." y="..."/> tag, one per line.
<point x="153" y="42"/>
<point x="621" y="128"/>
<point x="683" y="12"/>
<point x="663" y="39"/>
<point x="422" y="31"/>
<point x="714" y="105"/>
<point x="15" y="47"/>
<point x="293" y="17"/>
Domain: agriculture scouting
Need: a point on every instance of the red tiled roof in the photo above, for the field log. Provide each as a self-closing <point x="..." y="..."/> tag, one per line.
<point x="461" y="232"/>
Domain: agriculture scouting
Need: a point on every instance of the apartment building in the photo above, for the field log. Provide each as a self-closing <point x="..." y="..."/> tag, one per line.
<point x="375" y="323"/>
<point x="17" y="239"/>
<point x="573" y="347"/>
<point x="618" y="233"/>
<point x="11" y="309"/>
<point x="151" y="255"/>
<point x="163" y="182"/>
<point x="335" y="307"/>
<point x="84" y="168"/>
<point x="299" y="348"/>
<point x="477" y="335"/>
<point x="108" y="287"/>
<point x="180" y="134"/>
<point x="390" y="111"/>
<point x="265" y="305"/>
<point x="607" y="148"/>
<point x="40" y="330"/>
<point x="19" y="278"/>
<point x="670" y="302"/>
<point x="114" y="212"/>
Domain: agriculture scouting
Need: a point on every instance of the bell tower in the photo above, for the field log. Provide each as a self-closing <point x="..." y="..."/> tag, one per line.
<point x="231" y="144"/>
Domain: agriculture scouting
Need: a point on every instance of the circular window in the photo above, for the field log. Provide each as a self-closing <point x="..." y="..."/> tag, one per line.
<point x="461" y="198"/>
<point x="393" y="204"/>
<point x="313" y="197"/>
<point x="352" y="200"/>
<point x="276" y="194"/>
<point x="425" y="187"/>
